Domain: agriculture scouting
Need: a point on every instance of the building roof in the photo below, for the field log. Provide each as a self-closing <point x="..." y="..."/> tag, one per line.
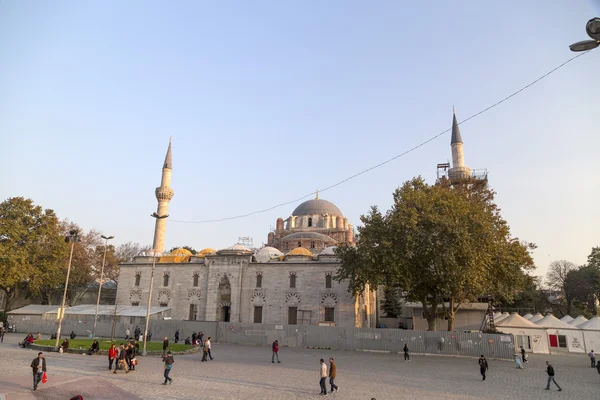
<point x="300" y="251"/>
<point x="464" y="306"/>
<point x="317" y="207"/>
<point x="267" y="254"/>
<point x="592" y="324"/>
<point x="308" y="235"/>
<point x="578" y="321"/>
<point x="124" y="311"/>
<point x="456" y="137"/>
<point x="168" y="158"/>
<point x="34" y="309"/>
<point x="514" y="320"/>
<point x="550" y="321"/>
<point x="501" y="317"/>
<point x="567" y="319"/>
<point x="536" y="317"/>
<point x="527" y="316"/>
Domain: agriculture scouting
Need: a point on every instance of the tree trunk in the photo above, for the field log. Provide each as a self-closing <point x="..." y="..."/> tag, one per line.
<point x="451" y="315"/>
<point x="430" y="315"/>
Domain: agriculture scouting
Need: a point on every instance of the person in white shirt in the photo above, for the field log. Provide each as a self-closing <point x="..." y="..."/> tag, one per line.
<point x="592" y="358"/>
<point x="323" y="375"/>
<point x="127" y="332"/>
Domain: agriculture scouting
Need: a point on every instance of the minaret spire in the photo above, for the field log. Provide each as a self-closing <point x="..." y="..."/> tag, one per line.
<point x="164" y="194"/>
<point x="458" y="171"/>
<point x="456" y="138"/>
<point x="317" y="195"/>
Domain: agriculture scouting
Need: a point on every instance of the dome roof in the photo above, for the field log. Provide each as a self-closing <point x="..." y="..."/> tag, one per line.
<point x="204" y="252"/>
<point x="181" y="252"/>
<point x="267" y="254"/>
<point x="317" y="207"/>
<point x="239" y="247"/>
<point x="308" y="235"/>
<point x="329" y="251"/>
<point x="180" y="255"/>
<point x="300" y="251"/>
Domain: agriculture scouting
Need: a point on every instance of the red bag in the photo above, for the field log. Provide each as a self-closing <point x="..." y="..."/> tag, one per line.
<point x="44" y="378"/>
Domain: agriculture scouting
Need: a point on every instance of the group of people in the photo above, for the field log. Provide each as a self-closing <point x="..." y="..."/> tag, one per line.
<point x="124" y="357"/>
<point x="29" y="339"/>
<point x="484" y="366"/>
<point x="324" y="374"/>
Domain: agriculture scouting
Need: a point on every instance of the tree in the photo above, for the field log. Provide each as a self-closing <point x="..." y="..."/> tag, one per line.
<point x="391" y="302"/>
<point x="442" y="244"/>
<point x="189" y="248"/>
<point x="30" y="246"/>
<point x="556" y="279"/>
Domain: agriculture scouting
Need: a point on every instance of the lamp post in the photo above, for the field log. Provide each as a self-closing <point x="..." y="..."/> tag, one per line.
<point x="106" y="239"/>
<point x="592" y="28"/>
<point x="72" y="237"/>
<point x="154" y="252"/>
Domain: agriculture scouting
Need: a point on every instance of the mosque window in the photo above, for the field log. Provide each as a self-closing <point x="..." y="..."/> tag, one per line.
<point x="259" y="280"/>
<point x="163" y="304"/>
<point x="329" y="314"/>
<point x="328" y="281"/>
<point x="312" y="245"/>
<point x="138" y="277"/>
<point x="292" y="280"/>
<point x="309" y="221"/>
<point x="196" y="279"/>
<point x="166" y="279"/>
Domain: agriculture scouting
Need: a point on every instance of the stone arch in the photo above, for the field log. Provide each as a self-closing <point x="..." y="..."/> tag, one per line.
<point x="224" y="299"/>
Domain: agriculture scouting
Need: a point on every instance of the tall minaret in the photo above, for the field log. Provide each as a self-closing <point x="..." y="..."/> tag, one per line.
<point x="458" y="170"/>
<point x="164" y="194"/>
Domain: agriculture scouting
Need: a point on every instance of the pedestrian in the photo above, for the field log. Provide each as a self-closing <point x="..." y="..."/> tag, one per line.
<point x="168" y="360"/>
<point x="177" y="336"/>
<point x="38" y="365"/>
<point x="165" y="346"/>
<point x="406" y="355"/>
<point x="72" y="335"/>
<point x="194" y="337"/>
<point x="113" y="353"/>
<point x="204" y="353"/>
<point x="38" y="336"/>
<point x="523" y="355"/>
<point x="550" y="371"/>
<point x="188" y="341"/>
<point x="149" y="336"/>
<point x="127" y="332"/>
<point x="94" y="348"/>
<point x="65" y="345"/>
<point x="137" y="332"/>
<point x="122" y="359"/>
<point x="592" y="358"/>
<point x="323" y="376"/>
<point x="483" y="366"/>
<point x="332" y="375"/>
<point x="208" y="347"/>
<point x="275" y="352"/>
<point x="2" y="331"/>
<point x="201" y="338"/>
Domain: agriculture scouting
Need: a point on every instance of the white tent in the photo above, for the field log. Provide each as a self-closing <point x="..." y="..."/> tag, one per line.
<point x="567" y="319"/>
<point x="562" y="336"/>
<point x="591" y="334"/>
<point x="533" y="338"/>
<point x="578" y="321"/>
<point x="497" y="314"/>
<point x="527" y="316"/>
<point x="536" y="317"/>
<point x="501" y="317"/>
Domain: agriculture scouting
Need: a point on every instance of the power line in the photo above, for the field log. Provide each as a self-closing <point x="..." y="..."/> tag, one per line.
<point x="364" y="171"/>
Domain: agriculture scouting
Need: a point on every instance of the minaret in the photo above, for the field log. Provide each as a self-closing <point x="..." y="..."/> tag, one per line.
<point x="164" y="194"/>
<point x="458" y="170"/>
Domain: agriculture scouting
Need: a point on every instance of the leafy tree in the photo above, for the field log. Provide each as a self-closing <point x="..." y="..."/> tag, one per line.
<point x="443" y="245"/>
<point x="391" y="302"/>
<point x="30" y="246"/>
<point x="189" y="248"/>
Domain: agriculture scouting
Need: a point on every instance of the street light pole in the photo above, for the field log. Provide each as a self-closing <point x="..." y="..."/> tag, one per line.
<point x="71" y="238"/>
<point x="106" y="239"/>
<point x="156" y="216"/>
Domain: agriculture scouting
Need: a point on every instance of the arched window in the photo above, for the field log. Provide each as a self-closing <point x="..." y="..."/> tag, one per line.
<point x="196" y="279"/>
<point x="138" y="277"/>
<point x="309" y="221"/>
<point x="292" y="280"/>
<point x="166" y="280"/>
<point x="312" y="245"/>
<point x="259" y="281"/>
<point x="328" y="282"/>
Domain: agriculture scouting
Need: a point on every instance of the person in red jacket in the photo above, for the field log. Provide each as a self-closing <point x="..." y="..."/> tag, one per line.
<point x="275" y="352"/>
<point x="113" y="353"/>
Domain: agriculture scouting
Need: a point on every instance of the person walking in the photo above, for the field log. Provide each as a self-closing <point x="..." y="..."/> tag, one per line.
<point x="208" y="347"/>
<point x="483" y="366"/>
<point x="131" y="356"/>
<point x="550" y="371"/>
<point x="38" y="365"/>
<point x="323" y="377"/>
<point x="275" y="352"/>
<point x="127" y="332"/>
<point x="113" y="353"/>
<point x="177" y="336"/>
<point x="2" y="331"/>
<point x="122" y="359"/>
<point x="523" y="355"/>
<point x="406" y="355"/>
<point x="149" y="335"/>
<point x="204" y="353"/>
<point x="165" y="346"/>
<point x="201" y="338"/>
<point x="332" y="375"/>
<point x="194" y="337"/>
<point x="592" y="358"/>
<point x="168" y="360"/>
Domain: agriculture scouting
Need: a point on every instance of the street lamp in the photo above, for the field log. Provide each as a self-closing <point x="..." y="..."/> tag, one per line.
<point x="154" y="252"/>
<point x="592" y="28"/>
<point x="72" y="237"/>
<point x="106" y="239"/>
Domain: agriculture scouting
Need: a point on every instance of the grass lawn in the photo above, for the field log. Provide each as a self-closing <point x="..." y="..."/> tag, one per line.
<point x="105" y="344"/>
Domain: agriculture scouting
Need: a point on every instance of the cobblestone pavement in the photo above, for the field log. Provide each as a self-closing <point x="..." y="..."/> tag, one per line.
<point x="240" y="372"/>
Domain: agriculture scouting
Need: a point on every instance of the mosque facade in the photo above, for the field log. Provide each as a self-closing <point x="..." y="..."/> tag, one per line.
<point x="289" y="281"/>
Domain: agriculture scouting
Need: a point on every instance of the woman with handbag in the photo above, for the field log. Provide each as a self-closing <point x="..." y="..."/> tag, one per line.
<point x="113" y="353"/>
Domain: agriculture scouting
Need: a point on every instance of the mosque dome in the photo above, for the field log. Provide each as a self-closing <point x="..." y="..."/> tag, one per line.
<point x="239" y="247"/>
<point x="236" y="249"/>
<point x="267" y="254"/>
<point x="205" y="252"/>
<point x="180" y="255"/>
<point x="317" y="207"/>
<point x="300" y="251"/>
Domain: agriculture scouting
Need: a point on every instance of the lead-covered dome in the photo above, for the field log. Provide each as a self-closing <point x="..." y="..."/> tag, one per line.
<point x="317" y="207"/>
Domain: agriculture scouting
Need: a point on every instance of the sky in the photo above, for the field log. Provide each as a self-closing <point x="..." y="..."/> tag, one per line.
<point x="267" y="101"/>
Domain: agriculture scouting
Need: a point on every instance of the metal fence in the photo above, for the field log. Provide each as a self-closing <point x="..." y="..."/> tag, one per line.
<point x="359" y="339"/>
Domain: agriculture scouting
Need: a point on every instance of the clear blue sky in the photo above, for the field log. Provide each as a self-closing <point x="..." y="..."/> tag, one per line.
<point x="269" y="100"/>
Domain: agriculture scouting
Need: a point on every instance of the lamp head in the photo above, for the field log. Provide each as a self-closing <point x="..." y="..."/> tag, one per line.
<point x="593" y="28"/>
<point x="584" y="45"/>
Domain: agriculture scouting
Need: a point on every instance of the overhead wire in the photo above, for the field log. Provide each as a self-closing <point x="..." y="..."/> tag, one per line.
<point x="364" y="171"/>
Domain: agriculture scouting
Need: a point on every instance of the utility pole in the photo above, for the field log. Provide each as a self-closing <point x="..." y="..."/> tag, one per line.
<point x="106" y="239"/>
<point x="72" y="237"/>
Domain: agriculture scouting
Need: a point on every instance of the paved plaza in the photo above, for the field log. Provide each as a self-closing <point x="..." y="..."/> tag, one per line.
<point x="240" y="372"/>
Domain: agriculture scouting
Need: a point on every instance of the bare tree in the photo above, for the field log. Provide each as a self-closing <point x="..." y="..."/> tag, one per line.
<point x="128" y="251"/>
<point x="556" y="278"/>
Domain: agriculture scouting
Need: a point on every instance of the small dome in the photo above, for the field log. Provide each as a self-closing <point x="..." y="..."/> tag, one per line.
<point x="239" y="247"/>
<point x="329" y="251"/>
<point x="181" y="252"/>
<point x="180" y="255"/>
<point x="204" y="252"/>
<point x="267" y="254"/>
<point x="300" y="251"/>
<point x="317" y="207"/>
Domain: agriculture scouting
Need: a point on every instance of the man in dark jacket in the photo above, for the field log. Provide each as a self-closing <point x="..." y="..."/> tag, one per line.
<point x="72" y="336"/>
<point x="122" y="359"/>
<point x="177" y="336"/>
<point x="94" y="349"/>
<point x="550" y="371"/>
<point x="332" y="375"/>
<point x="483" y="366"/>
<point x="38" y="365"/>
